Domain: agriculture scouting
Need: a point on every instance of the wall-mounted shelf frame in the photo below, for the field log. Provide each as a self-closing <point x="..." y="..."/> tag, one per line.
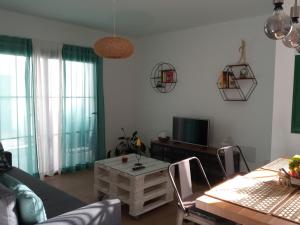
<point x="163" y="77"/>
<point x="237" y="82"/>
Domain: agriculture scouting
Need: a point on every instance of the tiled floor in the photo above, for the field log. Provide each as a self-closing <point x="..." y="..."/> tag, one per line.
<point x="80" y="185"/>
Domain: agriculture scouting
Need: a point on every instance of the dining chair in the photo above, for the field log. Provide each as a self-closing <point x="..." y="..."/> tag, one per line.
<point x="5" y="157"/>
<point x="228" y="152"/>
<point x="186" y="198"/>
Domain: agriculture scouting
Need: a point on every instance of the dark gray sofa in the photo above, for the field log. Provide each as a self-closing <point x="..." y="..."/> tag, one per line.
<point x="63" y="209"/>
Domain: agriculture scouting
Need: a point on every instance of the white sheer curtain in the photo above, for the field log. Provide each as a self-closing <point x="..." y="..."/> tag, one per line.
<point x="48" y="72"/>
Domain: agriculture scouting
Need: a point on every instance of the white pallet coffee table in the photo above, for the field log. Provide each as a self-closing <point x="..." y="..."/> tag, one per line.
<point x="143" y="190"/>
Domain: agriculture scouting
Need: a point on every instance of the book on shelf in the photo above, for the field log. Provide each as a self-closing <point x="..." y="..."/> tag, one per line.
<point x="167" y="76"/>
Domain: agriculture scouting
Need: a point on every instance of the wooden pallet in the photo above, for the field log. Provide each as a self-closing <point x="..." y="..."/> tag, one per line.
<point x="142" y="192"/>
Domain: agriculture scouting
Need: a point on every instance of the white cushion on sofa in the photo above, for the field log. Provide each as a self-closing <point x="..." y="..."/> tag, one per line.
<point x="8" y="214"/>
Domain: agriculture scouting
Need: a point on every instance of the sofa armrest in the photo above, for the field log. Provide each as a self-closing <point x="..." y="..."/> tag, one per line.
<point x="107" y="212"/>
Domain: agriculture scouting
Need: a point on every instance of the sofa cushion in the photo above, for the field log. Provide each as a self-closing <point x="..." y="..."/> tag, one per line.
<point x="30" y="207"/>
<point x="107" y="212"/>
<point x="8" y="214"/>
<point x="56" y="202"/>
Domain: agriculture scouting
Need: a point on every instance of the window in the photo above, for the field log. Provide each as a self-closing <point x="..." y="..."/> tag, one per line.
<point x="15" y="118"/>
<point x="83" y="108"/>
<point x="17" y="130"/>
<point x="65" y="103"/>
<point x="48" y="109"/>
<point x="79" y="113"/>
<point x="51" y="105"/>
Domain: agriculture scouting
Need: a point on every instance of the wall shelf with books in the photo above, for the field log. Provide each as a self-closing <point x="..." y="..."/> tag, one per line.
<point x="163" y="77"/>
<point x="236" y="82"/>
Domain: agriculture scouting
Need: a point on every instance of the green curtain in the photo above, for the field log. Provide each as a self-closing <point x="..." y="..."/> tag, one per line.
<point x="295" y="128"/>
<point x="17" y="122"/>
<point x="83" y="137"/>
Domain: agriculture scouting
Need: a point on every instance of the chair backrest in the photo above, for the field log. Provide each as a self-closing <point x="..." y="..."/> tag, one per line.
<point x="228" y="153"/>
<point x="8" y="157"/>
<point x="5" y="157"/>
<point x="185" y="179"/>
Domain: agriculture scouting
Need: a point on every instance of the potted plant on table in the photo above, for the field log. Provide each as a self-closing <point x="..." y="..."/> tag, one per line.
<point x="294" y="166"/>
<point x="139" y="148"/>
<point x="129" y="144"/>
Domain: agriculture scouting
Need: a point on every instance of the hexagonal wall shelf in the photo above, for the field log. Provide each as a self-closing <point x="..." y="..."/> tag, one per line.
<point x="237" y="82"/>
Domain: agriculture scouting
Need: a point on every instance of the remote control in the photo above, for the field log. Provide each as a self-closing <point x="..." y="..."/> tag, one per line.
<point x="138" y="168"/>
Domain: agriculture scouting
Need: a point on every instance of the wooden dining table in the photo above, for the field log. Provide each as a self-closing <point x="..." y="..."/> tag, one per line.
<point x="241" y="214"/>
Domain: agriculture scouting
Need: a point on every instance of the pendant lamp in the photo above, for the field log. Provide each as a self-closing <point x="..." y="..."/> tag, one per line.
<point x="114" y="47"/>
<point x="292" y="40"/>
<point x="279" y="24"/>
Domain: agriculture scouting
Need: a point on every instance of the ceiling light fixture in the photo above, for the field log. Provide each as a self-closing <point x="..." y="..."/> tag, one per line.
<point x="279" y="24"/>
<point x="114" y="47"/>
<point x="292" y="40"/>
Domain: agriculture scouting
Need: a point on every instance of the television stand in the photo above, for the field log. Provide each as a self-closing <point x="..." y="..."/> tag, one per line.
<point x="172" y="151"/>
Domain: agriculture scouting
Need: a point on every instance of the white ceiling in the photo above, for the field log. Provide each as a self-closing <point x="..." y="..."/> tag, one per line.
<point x="141" y="17"/>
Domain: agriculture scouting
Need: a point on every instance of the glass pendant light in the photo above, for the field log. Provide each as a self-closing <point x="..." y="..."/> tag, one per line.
<point x="292" y="40"/>
<point x="279" y="24"/>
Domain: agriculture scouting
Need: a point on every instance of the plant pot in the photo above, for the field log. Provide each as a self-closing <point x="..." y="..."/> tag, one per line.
<point x="124" y="159"/>
<point x="295" y="181"/>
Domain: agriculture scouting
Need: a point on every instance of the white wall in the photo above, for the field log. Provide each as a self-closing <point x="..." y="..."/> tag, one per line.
<point x="118" y="74"/>
<point x="199" y="54"/>
<point x="284" y="143"/>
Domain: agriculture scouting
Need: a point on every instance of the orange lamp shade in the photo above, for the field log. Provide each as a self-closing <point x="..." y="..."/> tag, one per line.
<point x="114" y="48"/>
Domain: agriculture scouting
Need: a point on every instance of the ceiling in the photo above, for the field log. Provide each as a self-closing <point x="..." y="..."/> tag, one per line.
<point x="141" y="17"/>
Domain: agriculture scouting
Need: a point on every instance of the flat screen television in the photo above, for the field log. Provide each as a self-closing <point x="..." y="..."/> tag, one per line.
<point x="192" y="131"/>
